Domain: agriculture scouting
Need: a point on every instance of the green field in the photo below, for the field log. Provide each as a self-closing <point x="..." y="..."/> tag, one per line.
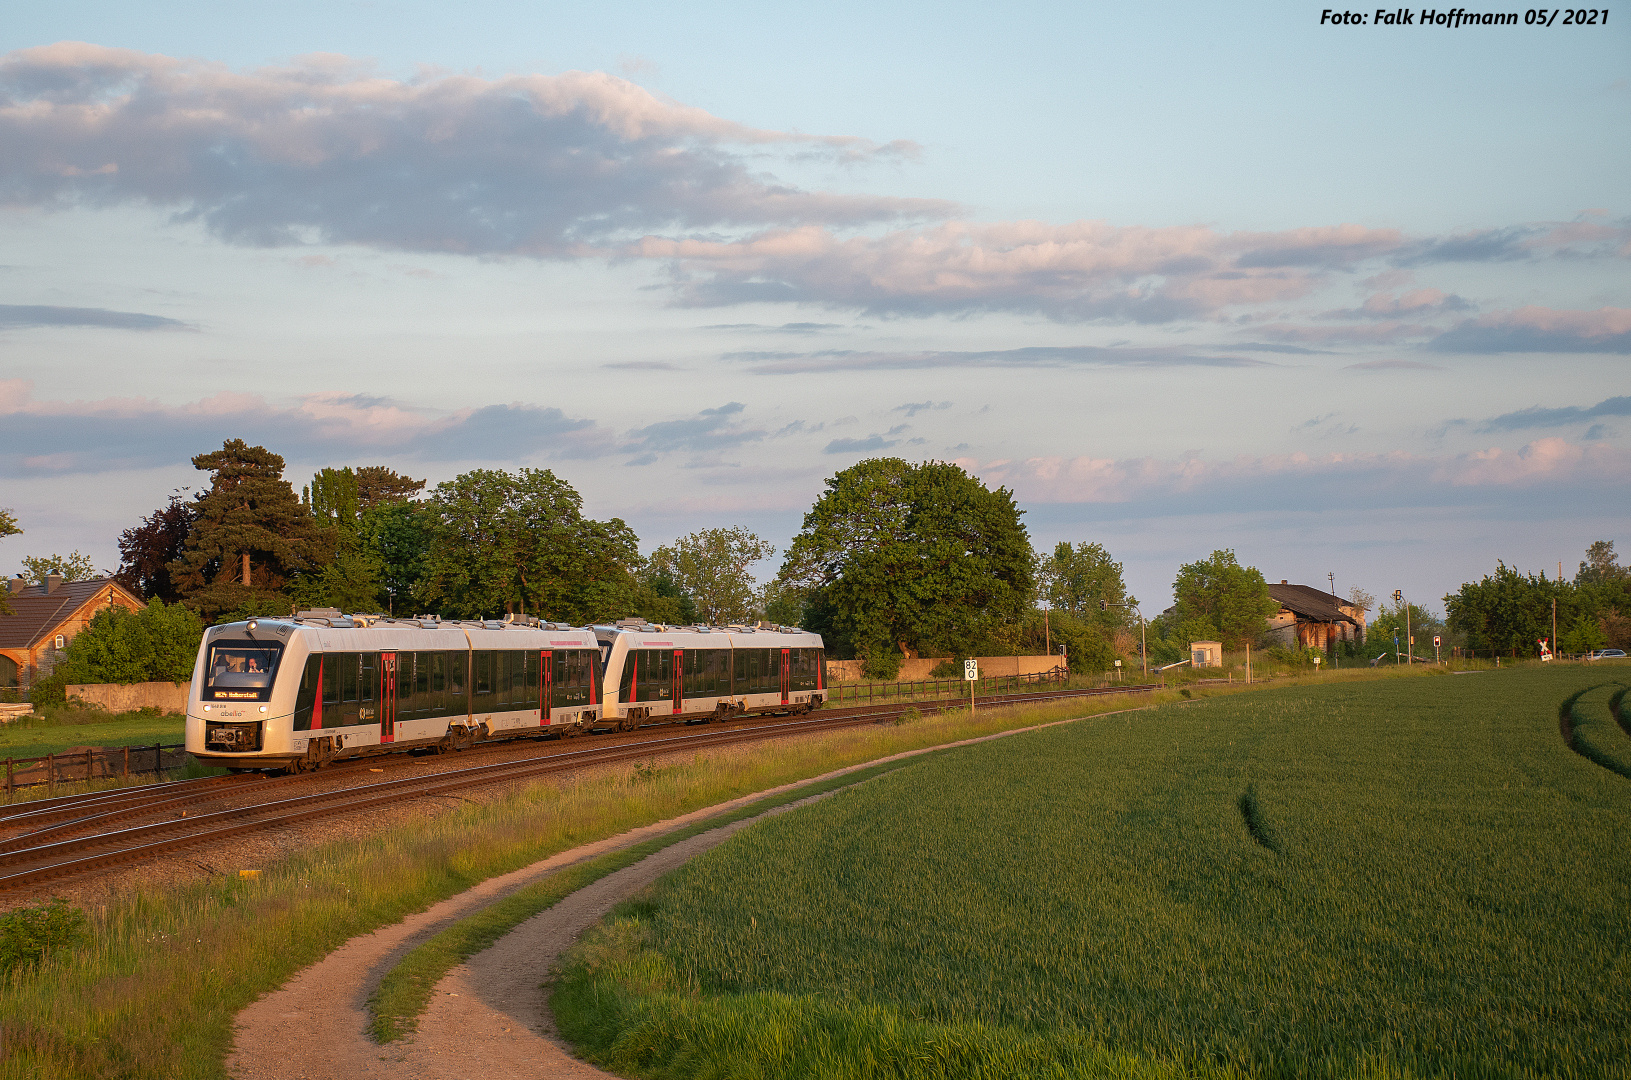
<point x="1410" y="877"/>
<point x="36" y="736"/>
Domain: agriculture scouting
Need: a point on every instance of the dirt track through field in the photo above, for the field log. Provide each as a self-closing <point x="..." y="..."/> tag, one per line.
<point x="487" y="1018"/>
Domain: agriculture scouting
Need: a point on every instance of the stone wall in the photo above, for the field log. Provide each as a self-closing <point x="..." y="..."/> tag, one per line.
<point x="913" y="670"/>
<point x="117" y="698"/>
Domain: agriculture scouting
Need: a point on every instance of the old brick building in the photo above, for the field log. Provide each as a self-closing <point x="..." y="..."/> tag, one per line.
<point x="1311" y="618"/>
<point x="44" y="618"/>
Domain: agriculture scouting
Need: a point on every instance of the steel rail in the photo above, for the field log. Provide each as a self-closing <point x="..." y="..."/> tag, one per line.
<point x="150" y="840"/>
<point x="109" y="807"/>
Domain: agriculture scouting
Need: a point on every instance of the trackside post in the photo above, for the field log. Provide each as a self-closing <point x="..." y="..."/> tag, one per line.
<point x="971" y="672"/>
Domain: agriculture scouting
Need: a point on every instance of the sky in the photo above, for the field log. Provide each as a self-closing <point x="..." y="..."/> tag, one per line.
<point x="1353" y="301"/>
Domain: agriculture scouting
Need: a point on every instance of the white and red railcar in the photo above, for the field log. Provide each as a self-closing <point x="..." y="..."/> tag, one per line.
<point x="294" y="693"/>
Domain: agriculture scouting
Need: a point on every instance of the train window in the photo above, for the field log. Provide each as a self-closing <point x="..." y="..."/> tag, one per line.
<point x="414" y="677"/>
<point x="656" y="674"/>
<point x="627" y="678"/>
<point x="347" y="663"/>
<point x="369" y="684"/>
<point x="331" y="679"/>
<point x="457" y="701"/>
<point x="484" y="672"/>
<point x="306" y="699"/>
<point x="241" y="671"/>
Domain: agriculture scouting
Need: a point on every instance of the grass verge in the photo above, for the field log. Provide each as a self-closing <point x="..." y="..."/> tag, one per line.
<point x="406" y="989"/>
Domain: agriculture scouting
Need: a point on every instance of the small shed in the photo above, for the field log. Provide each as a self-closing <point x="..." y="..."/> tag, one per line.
<point x="1206" y="653"/>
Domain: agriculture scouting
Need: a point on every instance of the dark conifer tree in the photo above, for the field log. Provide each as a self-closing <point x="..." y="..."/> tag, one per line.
<point x="250" y="534"/>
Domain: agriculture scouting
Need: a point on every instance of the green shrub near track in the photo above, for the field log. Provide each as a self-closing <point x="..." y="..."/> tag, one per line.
<point x="1446" y="894"/>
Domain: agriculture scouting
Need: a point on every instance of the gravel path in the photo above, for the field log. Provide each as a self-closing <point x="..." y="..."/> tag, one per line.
<point x="487" y="1019"/>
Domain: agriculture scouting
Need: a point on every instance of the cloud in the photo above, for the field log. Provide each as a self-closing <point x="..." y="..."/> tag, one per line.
<point x="1193" y="484"/>
<point x="1263" y="346"/>
<point x="709" y="432"/>
<point x="1083" y="270"/>
<point x="1392" y="365"/>
<point x="1538" y="329"/>
<point x="1537" y="417"/>
<point x="1383" y="333"/>
<point x="1416" y="304"/>
<point x="773" y="363"/>
<point x="37" y="315"/>
<point x="784" y="328"/>
<point x="912" y="408"/>
<point x="859" y="446"/>
<point x="56" y="437"/>
<point x="328" y="150"/>
<point x="642" y="365"/>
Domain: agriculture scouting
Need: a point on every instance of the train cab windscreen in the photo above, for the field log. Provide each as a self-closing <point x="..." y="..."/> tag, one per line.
<point x="241" y="671"/>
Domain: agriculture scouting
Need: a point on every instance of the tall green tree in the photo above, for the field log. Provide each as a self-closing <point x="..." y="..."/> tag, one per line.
<point x="712" y="568"/>
<point x="332" y="496"/>
<point x="1220" y="594"/>
<point x="898" y="559"/>
<point x="8" y="527"/>
<point x="1509" y="611"/>
<point x="1086" y="582"/>
<point x="250" y="536"/>
<point x="399" y="534"/>
<point x="503" y="542"/>
<point x="375" y="537"/>
<point x="73" y="567"/>
<point x="380" y="486"/>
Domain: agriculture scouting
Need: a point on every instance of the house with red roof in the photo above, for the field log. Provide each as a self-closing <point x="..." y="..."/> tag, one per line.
<point x="44" y="618"/>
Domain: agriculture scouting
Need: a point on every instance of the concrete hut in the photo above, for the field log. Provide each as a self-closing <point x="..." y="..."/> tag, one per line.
<point x="1311" y="618"/>
<point x="44" y="618"/>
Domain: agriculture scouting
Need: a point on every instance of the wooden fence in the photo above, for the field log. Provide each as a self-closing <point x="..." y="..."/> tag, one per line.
<point x="92" y="763"/>
<point x="854" y="693"/>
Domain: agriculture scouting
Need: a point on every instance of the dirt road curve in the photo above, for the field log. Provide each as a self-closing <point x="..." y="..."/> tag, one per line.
<point x="487" y="1019"/>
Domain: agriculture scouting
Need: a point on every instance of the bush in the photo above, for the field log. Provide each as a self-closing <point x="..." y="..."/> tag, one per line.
<point x="947" y="669"/>
<point x="158" y="643"/>
<point x="51" y="690"/>
<point x="884" y="665"/>
<point x="30" y="934"/>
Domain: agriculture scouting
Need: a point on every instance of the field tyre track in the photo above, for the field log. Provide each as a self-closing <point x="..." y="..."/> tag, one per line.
<point x="1567" y="727"/>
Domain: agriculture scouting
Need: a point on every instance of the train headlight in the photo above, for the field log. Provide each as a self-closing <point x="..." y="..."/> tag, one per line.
<point x="206" y="708"/>
<point x="263" y="708"/>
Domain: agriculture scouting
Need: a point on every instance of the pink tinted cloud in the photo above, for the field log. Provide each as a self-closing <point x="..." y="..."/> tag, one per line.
<point x="1083" y="270"/>
<point x="1541" y="329"/>
<point x="1110" y="480"/>
<point x="528" y="164"/>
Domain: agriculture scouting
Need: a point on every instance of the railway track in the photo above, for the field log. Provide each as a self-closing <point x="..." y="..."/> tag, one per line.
<point x="65" y="837"/>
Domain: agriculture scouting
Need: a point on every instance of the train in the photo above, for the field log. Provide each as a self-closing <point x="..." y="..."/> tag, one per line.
<point x="294" y="694"/>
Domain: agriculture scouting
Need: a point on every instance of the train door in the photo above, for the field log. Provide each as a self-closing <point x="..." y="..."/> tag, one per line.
<point x="677" y="685"/>
<point x="387" y="697"/>
<point x="787" y="674"/>
<point x="546" y="686"/>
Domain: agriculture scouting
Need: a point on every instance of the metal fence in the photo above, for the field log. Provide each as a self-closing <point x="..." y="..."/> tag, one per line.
<point x="92" y="763"/>
<point x="858" y="693"/>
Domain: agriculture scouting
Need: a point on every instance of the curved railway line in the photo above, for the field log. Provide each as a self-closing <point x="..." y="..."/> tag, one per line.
<point x="65" y="837"/>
